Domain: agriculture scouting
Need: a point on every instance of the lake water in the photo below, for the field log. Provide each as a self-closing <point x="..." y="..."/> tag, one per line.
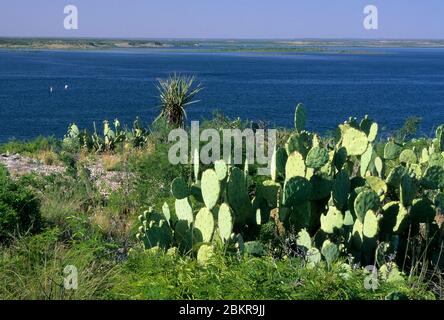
<point x="387" y="84"/>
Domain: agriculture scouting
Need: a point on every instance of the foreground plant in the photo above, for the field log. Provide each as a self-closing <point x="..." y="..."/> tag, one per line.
<point x="373" y="203"/>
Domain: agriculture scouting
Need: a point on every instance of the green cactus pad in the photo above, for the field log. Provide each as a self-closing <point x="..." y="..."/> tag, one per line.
<point x="370" y="232"/>
<point x="371" y="225"/>
<point x="321" y="186"/>
<point x="379" y="166"/>
<point x="179" y="188"/>
<point x="422" y="211"/>
<point x="184" y="211"/>
<point x="392" y="150"/>
<point x="373" y="132"/>
<point x="225" y="222"/>
<point x="316" y="158"/>
<point x="433" y="178"/>
<point x="304" y="240"/>
<point x="297" y="190"/>
<point x="348" y="219"/>
<point x="158" y="235"/>
<point x="205" y="254"/>
<point x="221" y="169"/>
<point x="332" y="221"/>
<point x="295" y="166"/>
<point x="365" y="201"/>
<point x="210" y="186"/>
<point x="357" y="234"/>
<point x="300" y="142"/>
<point x="269" y="191"/>
<point x="408" y="156"/>
<point x="341" y="189"/>
<point x="340" y="157"/>
<point x="377" y="185"/>
<point x="204" y="226"/>
<point x="366" y="159"/>
<point x="183" y="235"/>
<point x="254" y="248"/>
<point x="407" y="190"/>
<point x="394" y="178"/>
<point x="299" y="118"/>
<point x="354" y="140"/>
<point x="330" y="251"/>
<point x="281" y="160"/>
<point x="237" y="194"/>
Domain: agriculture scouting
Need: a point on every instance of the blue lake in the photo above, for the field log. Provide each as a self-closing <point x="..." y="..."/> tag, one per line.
<point x="387" y="84"/>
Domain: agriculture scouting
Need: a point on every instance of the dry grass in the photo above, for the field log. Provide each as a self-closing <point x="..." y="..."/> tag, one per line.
<point x="112" y="162"/>
<point x="48" y="157"/>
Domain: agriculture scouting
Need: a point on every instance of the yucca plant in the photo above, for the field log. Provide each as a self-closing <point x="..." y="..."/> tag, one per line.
<point x="176" y="93"/>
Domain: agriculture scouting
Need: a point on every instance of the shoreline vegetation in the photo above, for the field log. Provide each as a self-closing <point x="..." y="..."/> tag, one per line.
<point x="264" y="46"/>
<point x="333" y="206"/>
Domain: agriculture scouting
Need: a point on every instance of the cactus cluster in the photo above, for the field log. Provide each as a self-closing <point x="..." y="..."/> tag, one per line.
<point x="351" y="195"/>
<point x="107" y="141"/>
<point x="212" y="210"/>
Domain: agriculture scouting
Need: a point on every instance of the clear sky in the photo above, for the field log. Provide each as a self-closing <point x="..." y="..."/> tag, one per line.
<point x="223" y="18"/>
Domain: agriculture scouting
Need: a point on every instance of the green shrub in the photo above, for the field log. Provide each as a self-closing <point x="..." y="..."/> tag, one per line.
<point x="33" y="267"/>
<point x="19" y="207"/>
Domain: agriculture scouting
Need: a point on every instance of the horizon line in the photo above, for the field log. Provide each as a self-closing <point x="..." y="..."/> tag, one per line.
<point x="218" y="38"/>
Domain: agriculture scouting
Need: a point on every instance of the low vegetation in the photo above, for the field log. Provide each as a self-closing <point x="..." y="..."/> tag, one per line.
<point x="345" y="216"/>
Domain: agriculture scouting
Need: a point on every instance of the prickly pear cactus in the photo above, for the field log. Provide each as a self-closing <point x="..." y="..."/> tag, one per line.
<point x="299" y="118"/>
<point x="184" y="211"/>
<point x="225" y="222"/>
<point x="179" y="188"/>
<point x="204" y="226"/>
<point x="237" y="194"/>
<point x="332" y="221"/>
<point x="353" y="140"/>
<point x="295" y="166"/>
<point x="341" y="189"/>
<point x="297" y="190"/>
<point x="392" y="150"/>
<point x="365" y="201"/>
<point x="210" y="186"/>
<point x="316" y="158"/>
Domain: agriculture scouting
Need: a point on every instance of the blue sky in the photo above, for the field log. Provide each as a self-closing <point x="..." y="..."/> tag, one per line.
<point x="224" y="18"/>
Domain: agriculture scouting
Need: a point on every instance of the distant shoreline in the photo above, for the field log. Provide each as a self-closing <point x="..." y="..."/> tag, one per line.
<point x="304" y="45"/>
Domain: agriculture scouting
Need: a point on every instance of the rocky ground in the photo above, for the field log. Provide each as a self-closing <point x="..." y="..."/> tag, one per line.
<point x="106" y="181"/>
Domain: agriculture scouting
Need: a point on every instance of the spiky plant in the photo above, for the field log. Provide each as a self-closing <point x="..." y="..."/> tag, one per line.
<point x="176" y="93"/>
